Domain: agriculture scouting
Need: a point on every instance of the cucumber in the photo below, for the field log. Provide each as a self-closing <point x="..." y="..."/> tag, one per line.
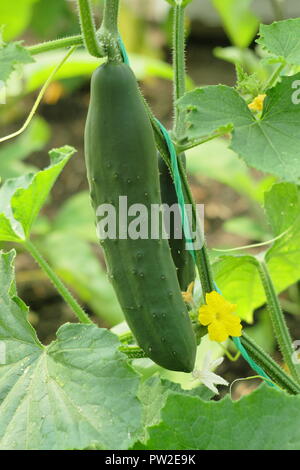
<point x="121" y="160"/>
<point x="182" y="258"/>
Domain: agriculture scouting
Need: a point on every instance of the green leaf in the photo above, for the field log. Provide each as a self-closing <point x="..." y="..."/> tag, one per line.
<point x="238" y="279"/>
<point x="12" y="154"/>
<point x="282" y="39"/>
<point x="270" y="143"/>
<point x="22" y="198"/>
<point x="237" y="276"/>
<point x="153" y="394"/>
<point x="12" y="55"/>
<point x="282" y="204"/>
<point x="248" y="424"/>
<point x="77" y="392"/>
<point x="239" y="22"/>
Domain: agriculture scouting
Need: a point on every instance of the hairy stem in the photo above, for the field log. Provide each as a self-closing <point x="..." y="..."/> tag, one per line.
<point x="109" y="30"/>
<point x="270" y="366"/>
<point x="62" y="289"/>
<point x="178" y="64"/>
<point x="88" y="29"/>
<point x="56" y="44"/>
<point x="278" y="321"/>
<point x="110" y="17"/>
<point x="133" y="352"/>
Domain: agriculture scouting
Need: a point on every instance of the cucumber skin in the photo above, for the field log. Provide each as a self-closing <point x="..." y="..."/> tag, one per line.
<point x="182" y="258"/>
<point x="121" y="160"/>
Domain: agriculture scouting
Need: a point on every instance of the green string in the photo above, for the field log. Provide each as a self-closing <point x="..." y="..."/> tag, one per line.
<point x="186" y="224"/>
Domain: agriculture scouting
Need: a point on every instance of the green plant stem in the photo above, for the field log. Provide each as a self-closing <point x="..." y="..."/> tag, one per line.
<point x="271" y="367"/>
<point x="133" y="352"/>
<point x="88" y="29"/>
<point x="110" y="17"/>
<point x="178" y="65"/>
<point x="109" y="30"/>
<point x="62" y="289"/>
<point x="193" y="143"/>
<point x="273" y="78"/>
<point x="278" y="10"/>
<point x="56" y="44"/>
<point x="126" y="337"/>
<point x="278" y="321"/>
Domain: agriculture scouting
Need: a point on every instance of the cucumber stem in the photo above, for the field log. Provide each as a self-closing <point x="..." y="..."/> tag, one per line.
<point x="109" y="30"/>
<point x="88" y="29"/>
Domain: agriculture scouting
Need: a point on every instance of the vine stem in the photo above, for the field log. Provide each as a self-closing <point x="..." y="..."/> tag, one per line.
<point x="88" y="29"/>
<point x="62" y="289"/>
<point x="274" y="77"/>
<point x="278" y="321"/>
<point x="178" y="64"/>
<point x="39" y="97"/>
<point x="270" y="366"/>
<point x="110" y="17"/>
<point x="133" y="352"/>
<point x="278" y="10"/>
<point x="46" y="46"/>
<point x="109" y="30"/>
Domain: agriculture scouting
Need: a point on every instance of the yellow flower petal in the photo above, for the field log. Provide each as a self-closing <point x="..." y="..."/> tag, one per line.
<point x="218" y="314"/>
<point x="257" y="103"/>
<point x="217" y="332"/>
<point x="205" y="315"/>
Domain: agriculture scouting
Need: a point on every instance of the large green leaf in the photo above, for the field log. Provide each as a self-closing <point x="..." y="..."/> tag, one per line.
<point x="239" y="22"/>
<point x="238" y="279"/>
<point x="77" y="392"/>
<point x="237" y="276"/>
<point x="282" y="205"/>
<point x="282" y="39"/>
<point x="153" y="394"/>
<point x="270" y="143"/>
<point x="265" y="420"/>
<point x="22" y="198"/>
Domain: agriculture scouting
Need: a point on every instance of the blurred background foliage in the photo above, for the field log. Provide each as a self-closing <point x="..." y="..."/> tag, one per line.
<point x="220" y="35"/>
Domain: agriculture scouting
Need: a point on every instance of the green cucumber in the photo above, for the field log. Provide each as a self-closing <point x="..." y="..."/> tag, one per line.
<point x="182" y="258"/>
<point x="122" y="161"/>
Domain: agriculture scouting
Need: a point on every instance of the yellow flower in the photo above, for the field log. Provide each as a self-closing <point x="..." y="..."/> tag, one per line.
<point x="188" y="295"/>
<point x="218" y="315"/>
<point x="257" y="103"/>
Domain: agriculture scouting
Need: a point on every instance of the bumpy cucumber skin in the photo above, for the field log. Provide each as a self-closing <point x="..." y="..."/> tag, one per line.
<point x="121" y="160"/>
<point x="182" y="258"/>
